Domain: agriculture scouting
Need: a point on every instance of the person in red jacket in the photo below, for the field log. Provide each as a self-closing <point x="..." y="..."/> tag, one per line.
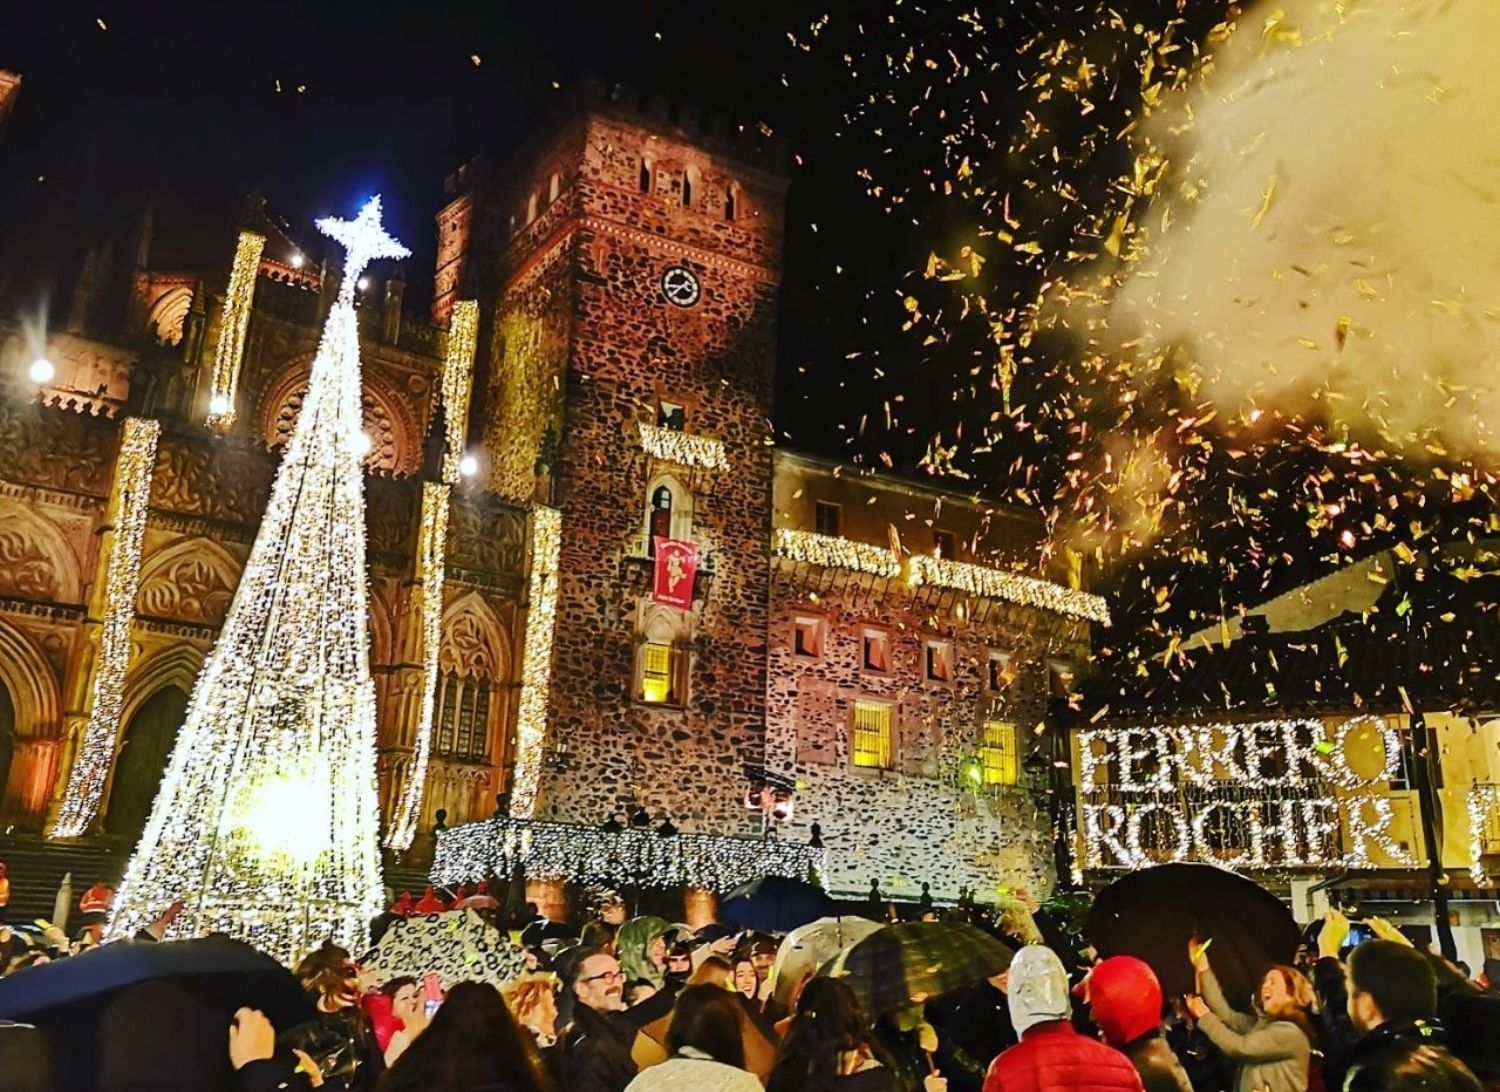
<point x="1124" y="999"/>
<point x="430" y="903"/>
<point x="1052" y="1056"/>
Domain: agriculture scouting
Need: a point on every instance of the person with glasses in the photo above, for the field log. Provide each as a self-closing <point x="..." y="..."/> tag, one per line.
<point x="594" y="1051"/>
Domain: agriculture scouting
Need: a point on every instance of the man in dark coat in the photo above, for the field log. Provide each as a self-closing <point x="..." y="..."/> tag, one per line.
<point x="1393" y="1003"/>
<point x="594" y="1052"/>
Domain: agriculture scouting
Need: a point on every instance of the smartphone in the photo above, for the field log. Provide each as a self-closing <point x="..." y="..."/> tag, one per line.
<point x="432" y="988"/>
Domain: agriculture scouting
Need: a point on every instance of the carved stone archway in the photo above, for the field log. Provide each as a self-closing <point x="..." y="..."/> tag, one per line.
<point x="36" y="561"/>
<point x="389" y="419"/>
<point x="192" y="580"/>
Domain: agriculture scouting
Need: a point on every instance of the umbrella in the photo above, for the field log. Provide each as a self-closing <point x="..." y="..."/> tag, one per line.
<point x="457" y="946"/>
<point x="775" y="903"/>
<point x="891" y="967"/>
<point x="806" y="949"/>
<point x="1153" y="913"/>
<point x="231" y="972"/>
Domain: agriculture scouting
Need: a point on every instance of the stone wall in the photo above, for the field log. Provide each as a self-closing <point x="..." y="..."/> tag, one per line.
<point x="924" y="819"/>
<point x="602" y="248"/>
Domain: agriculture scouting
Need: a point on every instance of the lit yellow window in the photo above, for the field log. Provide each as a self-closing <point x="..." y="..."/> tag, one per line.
<point x="872" y="734"/>
<point x="998" y="754"/>
<point x="656" y="673"/>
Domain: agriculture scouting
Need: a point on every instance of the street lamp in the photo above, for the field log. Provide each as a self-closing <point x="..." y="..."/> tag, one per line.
<point x="41" y="371"/>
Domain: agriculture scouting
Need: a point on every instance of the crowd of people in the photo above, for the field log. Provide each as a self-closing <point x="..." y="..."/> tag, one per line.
<point x="641" y="1005"/>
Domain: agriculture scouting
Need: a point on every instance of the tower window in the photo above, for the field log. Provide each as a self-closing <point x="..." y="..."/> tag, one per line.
<point x="826" y="518"/>
<point x="661" y="518"/>
<point x="872" y="734"/>
<point x="671" y="415"/>
<point x="554" y="187"/>
<point x="944" y="545"/>
<point x="997" y="677"/>
<point x="687" y="187"/>
<point x="999" y="754"/>
<point x="645" y="176"/>
<point x="729" y="204"/>
<point x="463" y="717"/>
<point x="661" y="674"/>
<point x="531" y="207"/>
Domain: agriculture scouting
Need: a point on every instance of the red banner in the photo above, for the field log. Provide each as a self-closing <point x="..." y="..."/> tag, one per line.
<point x="676" y="570"/>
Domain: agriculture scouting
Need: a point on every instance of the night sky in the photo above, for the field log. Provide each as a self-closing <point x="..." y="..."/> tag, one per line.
<point x="923" y="138"/>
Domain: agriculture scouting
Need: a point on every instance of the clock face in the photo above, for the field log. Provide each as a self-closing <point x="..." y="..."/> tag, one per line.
<point x="680" y="286"/>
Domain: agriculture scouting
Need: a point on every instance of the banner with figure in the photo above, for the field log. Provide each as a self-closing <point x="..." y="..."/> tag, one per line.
<point x="676" y="571"/>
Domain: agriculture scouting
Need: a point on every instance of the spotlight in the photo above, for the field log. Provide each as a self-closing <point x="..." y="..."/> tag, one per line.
<point x="41" y="370"/>
<point x="297" y="261"/>
<point x="218" y="404"/>
<point x="468" y="465"/>
<point x="361" y="444"/>
<point x="362" y="283"/>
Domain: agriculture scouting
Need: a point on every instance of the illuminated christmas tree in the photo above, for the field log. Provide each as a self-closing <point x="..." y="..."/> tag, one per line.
<point x="267" y="820"/>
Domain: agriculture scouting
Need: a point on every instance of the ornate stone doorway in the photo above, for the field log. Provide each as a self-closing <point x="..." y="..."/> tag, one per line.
<point x="143" y="759"/>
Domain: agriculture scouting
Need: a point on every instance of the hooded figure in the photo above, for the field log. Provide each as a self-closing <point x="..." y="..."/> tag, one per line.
<point x="1124" y="1000"/>
<point x="634" y="946"/>
<point x="1052" y="1056"/>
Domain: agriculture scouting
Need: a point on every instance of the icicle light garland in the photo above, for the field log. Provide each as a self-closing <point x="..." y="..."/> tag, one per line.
<point x="458" y="383"/>
<point x="267" y="820"/>
<point x="1483" y="804"/>
<point x="1010" y="587"/>
<point x="683" y="448"/>
<point x="432" y="550"/>
<point x="841" y="553"/>
<point x="566" y="851"/>
<point x="835" y="553"/>
<point x="536" y="665"/>
<point x="1270" y="780"/>
<point x="234" y="323"/>
<point x="128" y="503"/>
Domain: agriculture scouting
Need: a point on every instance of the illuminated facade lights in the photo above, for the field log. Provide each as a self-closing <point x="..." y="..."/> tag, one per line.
<point x="683" y="448"/>
<point x="432" y="551"/>
<point x="1010" y="587"/>
<point x="458" y="385"/>
<point x="1483" y="804"/>
<point x="267" y="820"/>
<point x="234" y="324"/>
<point x="536" y="666"/>
<point x="566" y="851"/>
<point x="833" y="552"/>
<point x="129" y="500"/>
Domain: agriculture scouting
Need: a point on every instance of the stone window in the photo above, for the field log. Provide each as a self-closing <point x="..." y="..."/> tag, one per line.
<point x="871" y="745"/>
<point x="827" y="518"/>
<point x="669" y="511"/>
<point x="689" y="182"/>
<point x="554" y="187"/>
<point x="807" y="636"/>
<point x="1059" y="679"/>
<point x="731" y="196"/>
<point x="531" y="207"/>
<point x="999" y="753"/>
<point x="662" y="674"/>
<point x="937" y="661"/>
<point x="671" y="415"/>
<point x="875" y="651"/>
<point x="944" y="544"/>
<point x="997" y="672"/>
<point x="463" y="717"/>
<point x="645" y="175"/>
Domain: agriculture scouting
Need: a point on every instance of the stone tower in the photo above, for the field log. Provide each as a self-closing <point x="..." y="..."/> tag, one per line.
<point x="628" y="383"/>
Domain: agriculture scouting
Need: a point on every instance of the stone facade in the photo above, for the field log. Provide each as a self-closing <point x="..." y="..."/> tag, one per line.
<point x="626" y="276"/>
<point x="10" y="84"/>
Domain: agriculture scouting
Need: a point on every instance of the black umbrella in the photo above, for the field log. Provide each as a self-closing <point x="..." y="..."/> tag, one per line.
<point x="1153" y="913"/>
<point x="776" y="904"/>
<point x="233" y="973"/>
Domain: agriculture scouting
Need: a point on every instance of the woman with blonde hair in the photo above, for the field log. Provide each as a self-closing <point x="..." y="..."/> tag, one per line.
<point x="1273" y="1048"/>
<point x="533" y="1001"/>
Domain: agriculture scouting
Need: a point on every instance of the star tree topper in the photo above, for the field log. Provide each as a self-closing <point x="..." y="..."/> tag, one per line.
<point x="364" y="240"/>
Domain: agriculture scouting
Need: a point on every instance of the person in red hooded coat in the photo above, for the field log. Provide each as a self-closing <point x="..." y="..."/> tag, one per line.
<point x="1124" y="999"/>
<point x="430" y="903"/>
<point x="1052" y="1056"/>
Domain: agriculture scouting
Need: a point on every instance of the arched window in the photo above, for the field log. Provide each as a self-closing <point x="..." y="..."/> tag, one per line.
<point x="469" y="671"/>
<point x="661" y="518"/>
<point x="554" y="187"/>
<point x="689" y="179"/>
<point x="729" y="200"/>
<point x="531" y="207"/>
<point x="645" y="175"/>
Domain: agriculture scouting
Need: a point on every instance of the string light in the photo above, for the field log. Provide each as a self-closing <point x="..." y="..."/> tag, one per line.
<point x="1010" y="587"/>
<point x="432" y="552"/>
<point x="833" y="552"/>
<point x="1290" y="766"/>
<point x="130" y="497"/>
<point x="458" y="384"/>
<point x="536" y="666"/>
<point x="234" y="324"/>
<point x="683" y="448"/>
<point x="267" y="821"/>
<point x="567" y="851"/>
<point x="1483" y="804"/>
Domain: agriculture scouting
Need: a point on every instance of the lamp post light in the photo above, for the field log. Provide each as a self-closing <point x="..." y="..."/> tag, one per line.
<point x="41" y="371"/>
